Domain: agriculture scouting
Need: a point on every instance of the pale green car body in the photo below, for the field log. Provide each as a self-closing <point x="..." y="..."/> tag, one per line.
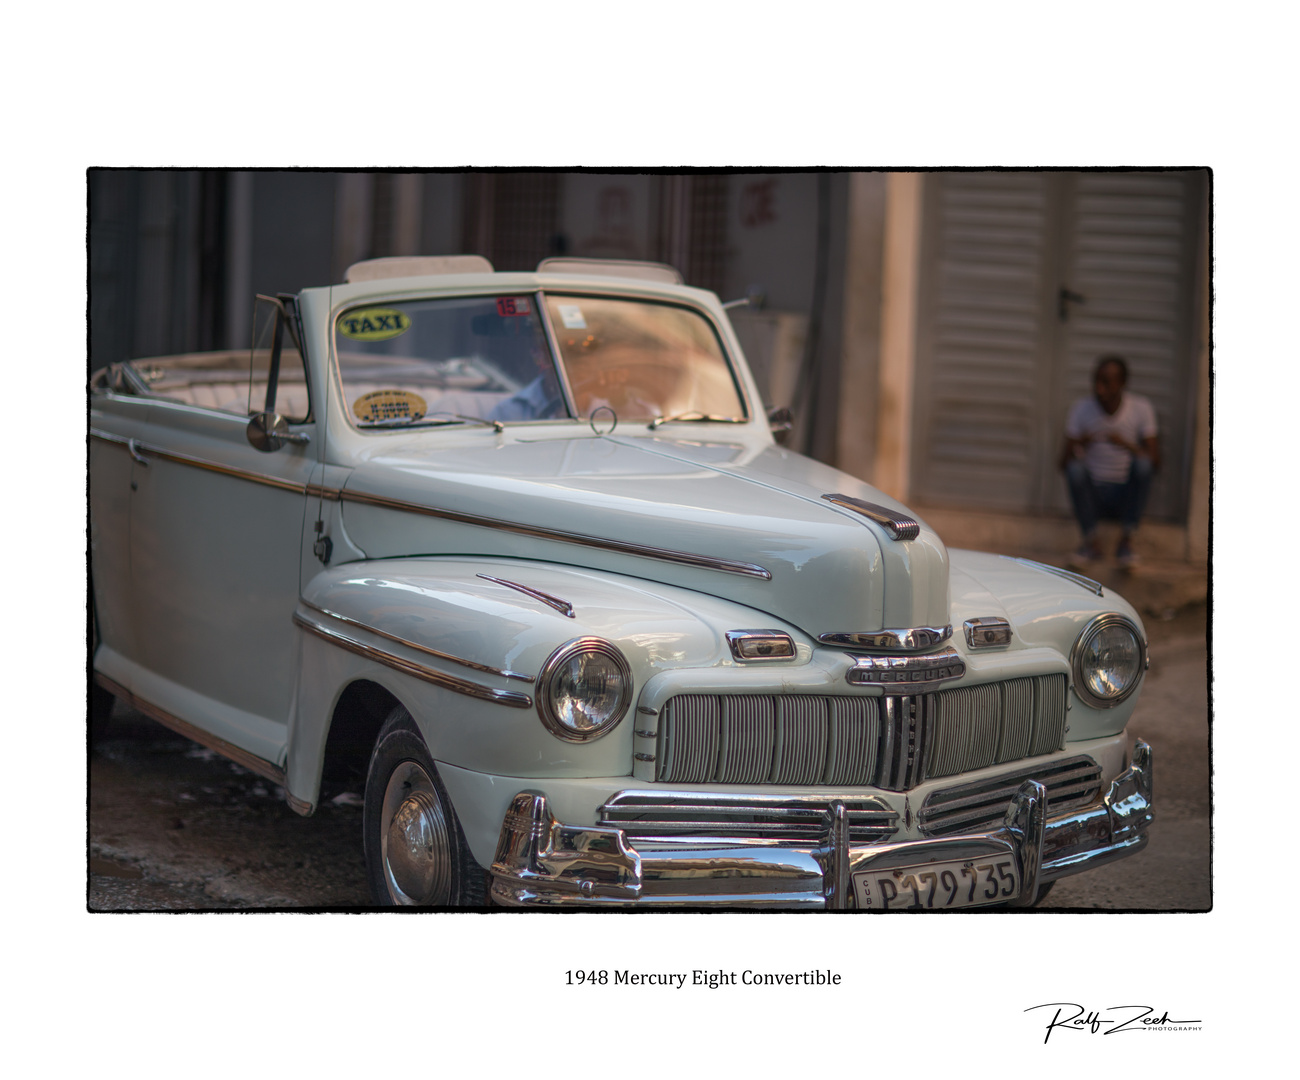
<point x="216" y="614"/>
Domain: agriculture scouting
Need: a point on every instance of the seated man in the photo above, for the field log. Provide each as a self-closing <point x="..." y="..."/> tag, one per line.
<point x="1109" y="457"/>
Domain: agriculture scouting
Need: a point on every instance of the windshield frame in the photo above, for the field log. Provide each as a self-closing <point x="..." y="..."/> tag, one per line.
<point x="538" y="294"/>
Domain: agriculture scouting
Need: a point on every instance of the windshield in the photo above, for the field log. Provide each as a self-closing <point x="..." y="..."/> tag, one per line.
<point x="451" y="361"/>
<point x="434" y="361"/>
<point x="643" y="360"/>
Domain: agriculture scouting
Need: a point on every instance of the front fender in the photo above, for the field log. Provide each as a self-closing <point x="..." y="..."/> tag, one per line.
<point x="462" y="653"/>
<point x="1046" y="611"/>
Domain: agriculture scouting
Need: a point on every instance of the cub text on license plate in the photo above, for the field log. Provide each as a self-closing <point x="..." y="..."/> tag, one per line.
<point x="938" y="886"/>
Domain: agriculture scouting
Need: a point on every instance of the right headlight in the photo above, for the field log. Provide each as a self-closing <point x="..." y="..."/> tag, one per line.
<point x="1108" y="661"/>
<point x="584" y="689"/>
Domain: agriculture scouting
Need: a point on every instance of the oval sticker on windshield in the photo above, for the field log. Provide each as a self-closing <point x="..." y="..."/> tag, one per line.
<point x="374" y="324"/>
<point x="379" y="406"/>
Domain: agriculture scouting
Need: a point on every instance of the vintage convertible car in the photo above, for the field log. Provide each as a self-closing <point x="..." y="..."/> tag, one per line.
<point x="522" y="551"/>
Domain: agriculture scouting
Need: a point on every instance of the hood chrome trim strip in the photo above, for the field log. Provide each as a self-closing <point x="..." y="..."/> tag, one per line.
<point x="562" y="606"/>
<point x="897" y="526"/>
<point x="502" y="672"/>
<point x="1094" y="587"/>
<point x="604" y="543"/>
<point x="512" y="698"/>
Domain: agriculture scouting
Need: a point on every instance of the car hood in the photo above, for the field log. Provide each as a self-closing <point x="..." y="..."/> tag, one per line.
<point x="733" y="521"/>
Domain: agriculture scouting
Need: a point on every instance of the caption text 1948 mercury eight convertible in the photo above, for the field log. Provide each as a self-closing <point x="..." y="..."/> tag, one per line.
<point x="522" y="551"/>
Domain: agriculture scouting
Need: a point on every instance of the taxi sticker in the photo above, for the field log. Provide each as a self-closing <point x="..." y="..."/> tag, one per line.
<point x="513" y="305"/>
<point x="380" y="405"/>
<point x="374" y="324"/>
<point x="571" y="316"/>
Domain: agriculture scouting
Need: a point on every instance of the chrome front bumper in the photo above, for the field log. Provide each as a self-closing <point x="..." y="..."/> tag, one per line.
<point x="540" y="862"/>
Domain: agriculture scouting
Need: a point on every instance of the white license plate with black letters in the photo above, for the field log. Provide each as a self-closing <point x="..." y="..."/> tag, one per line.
<point x="938" y="886"/>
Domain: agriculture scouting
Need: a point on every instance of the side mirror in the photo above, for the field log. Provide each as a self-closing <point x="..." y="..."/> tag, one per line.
<point x="268" y="431"/>
<point x="780" y="420"/>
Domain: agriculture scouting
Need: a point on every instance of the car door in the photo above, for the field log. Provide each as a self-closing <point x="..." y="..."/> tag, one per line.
<point x="217" y="532"/>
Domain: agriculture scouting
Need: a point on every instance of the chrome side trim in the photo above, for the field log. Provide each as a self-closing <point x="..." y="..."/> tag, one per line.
<point x="562" y="606"/>
<point x="109" y="437"/>
<point x="987" y="633"/>
<point x="1093" y="587"/>
<point x="251" y="762"/>
<point x="487" y="669"/>
<point x="135" y="447"/>
<point x="897" y="526"/>
<point x="685" y="558"/>
<point x="907" y="672"/>
<point x="512" y="698"/>
<point x="912" y="639"/>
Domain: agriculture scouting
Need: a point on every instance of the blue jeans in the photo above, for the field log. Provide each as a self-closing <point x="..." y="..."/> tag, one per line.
<point x="1094" y="500"/>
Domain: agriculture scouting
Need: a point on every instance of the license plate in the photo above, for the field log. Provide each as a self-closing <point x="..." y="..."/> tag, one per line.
<point x="938" y="886"/>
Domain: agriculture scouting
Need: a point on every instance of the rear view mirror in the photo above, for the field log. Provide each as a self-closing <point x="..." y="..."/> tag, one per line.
<point x="268" y="431"/>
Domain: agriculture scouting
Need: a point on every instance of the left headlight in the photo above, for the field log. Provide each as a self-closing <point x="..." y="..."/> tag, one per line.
<point x="1108" y="661"/>
<point x="583" y="689"/>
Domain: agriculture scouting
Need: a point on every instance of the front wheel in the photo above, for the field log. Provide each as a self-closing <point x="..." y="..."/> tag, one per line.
<point x="416" y="855"/>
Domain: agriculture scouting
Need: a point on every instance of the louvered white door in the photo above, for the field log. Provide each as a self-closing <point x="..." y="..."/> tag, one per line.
<point x="1026" y="279"/>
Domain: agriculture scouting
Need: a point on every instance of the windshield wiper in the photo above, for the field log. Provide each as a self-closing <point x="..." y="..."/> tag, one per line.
<point x="442" y="420"/>
<point x="694" y="418"/>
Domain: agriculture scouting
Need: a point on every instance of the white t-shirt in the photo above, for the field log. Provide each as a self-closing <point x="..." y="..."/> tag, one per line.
<point x="1134" y="421"/>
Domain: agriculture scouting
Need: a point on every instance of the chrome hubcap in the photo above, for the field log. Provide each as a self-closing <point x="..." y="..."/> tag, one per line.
<point x="414" y="838"/>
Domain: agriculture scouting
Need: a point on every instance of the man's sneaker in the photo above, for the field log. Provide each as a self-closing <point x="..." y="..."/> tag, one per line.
<point x="1083" y="558"/>
<point x="1125" y="558"/>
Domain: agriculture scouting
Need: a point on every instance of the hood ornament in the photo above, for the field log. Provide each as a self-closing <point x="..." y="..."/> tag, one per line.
<point x="612" y="421"/>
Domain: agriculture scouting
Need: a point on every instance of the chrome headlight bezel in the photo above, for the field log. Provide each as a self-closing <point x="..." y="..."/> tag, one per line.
<point x="554" y="668"/>
<point x="1077" y="655"/>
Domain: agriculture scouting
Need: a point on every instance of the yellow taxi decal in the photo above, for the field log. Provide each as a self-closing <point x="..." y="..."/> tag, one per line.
<point x="374" y="324"/>
<point x="380" y="405"/>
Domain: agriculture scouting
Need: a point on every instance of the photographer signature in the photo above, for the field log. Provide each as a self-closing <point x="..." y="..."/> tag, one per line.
<point x="1139" y="1018"/>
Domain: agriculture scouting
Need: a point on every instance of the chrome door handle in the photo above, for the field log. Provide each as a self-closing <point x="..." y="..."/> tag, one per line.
<point x="136" y="456"/>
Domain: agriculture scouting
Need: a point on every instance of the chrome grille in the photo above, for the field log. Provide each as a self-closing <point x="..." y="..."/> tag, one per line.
<point x="688" y="818"/>
<point x="983" y="805"/>
<point x="973" y="727"/>
<point x="893" y="742"/>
